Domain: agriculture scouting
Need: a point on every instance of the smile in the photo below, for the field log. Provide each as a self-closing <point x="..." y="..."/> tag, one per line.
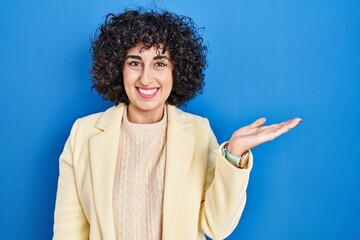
<point x="147" y="92"/>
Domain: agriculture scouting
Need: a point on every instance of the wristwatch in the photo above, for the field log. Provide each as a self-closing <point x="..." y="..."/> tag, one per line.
<point x="239" y="162"/>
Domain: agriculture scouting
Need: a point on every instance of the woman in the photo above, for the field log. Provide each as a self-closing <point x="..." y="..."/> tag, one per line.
<point x="144" y="169"/>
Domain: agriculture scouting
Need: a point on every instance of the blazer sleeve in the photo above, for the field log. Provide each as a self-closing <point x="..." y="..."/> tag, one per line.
<point x="69" y="218"/>
<point x="224" y="194"/>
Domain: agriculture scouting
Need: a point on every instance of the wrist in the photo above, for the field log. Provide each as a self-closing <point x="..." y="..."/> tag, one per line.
<point x="240" y="161"/>
<point x="235" y="151"/>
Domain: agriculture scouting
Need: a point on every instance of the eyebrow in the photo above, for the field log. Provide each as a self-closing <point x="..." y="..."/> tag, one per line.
<point x="133" y="56"/>
<point x="161" y="57"/>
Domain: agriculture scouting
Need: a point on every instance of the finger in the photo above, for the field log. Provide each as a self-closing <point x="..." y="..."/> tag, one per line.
<point x="258" y="123"/>
<point x="270" y="134"/>
<point x="285" y="127"/>
<point x="287" y="124"/>
<point x="271" y="128"/>
<point x="298" y="121"/>
<point x="293" y="122"/>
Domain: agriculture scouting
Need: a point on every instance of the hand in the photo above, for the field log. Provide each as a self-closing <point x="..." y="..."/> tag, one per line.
<point x="255" y="134"/>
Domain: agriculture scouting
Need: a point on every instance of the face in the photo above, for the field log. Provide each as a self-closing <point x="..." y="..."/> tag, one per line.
<point x="148" y="82"/>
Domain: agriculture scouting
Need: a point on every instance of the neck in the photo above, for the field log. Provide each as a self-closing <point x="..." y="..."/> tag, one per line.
<point x="144" y="117"/>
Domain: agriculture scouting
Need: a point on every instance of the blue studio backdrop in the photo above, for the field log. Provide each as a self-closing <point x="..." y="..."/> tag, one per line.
<point x="274" y="58"/>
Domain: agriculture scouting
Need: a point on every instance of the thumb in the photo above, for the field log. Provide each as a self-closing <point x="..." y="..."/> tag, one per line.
<point x="258" y="123"/>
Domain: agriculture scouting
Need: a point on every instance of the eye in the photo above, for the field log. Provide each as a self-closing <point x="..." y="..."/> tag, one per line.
<point x="135" y="64"/>
<point x="160" y="64"/>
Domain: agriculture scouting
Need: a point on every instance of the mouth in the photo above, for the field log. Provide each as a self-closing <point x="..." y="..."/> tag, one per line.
<point x="147" y="92"/>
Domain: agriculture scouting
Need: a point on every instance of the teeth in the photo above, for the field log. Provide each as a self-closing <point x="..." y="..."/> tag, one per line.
<point x="147" y="91"/>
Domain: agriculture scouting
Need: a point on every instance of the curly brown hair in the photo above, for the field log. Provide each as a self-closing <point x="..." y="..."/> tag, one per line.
<point x="162" y="30"/>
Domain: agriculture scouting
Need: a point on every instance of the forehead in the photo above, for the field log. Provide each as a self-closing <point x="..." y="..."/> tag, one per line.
<point x="141" y="50"/>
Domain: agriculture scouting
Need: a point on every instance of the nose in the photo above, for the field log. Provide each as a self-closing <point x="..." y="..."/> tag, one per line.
<point x="146" y="77"/>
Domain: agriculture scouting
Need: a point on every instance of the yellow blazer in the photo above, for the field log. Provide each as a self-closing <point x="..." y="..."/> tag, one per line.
<point x="198" y="197"/>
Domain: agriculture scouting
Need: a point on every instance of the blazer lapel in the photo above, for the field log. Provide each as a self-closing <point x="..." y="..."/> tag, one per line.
<point x="180" y="150"/>
<point x="103" y="158"/>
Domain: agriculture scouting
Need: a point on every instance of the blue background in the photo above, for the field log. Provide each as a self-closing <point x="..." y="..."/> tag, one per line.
<point x="279" y="59"/>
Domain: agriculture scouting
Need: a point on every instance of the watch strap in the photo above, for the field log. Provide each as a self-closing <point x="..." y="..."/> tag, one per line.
<point x="239" y="162"/>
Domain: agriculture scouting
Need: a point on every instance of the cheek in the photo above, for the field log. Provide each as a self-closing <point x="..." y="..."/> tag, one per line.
<point x="170" y="80"/>
<point x="171" y="83"/>
<point x="128" y="78"/>
<point x="127" y="83"/>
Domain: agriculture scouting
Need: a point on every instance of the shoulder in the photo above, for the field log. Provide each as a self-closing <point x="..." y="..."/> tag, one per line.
<point x="88" y="122"/>
<point x="184" y="119"/>
<point x="97" y="122"/>
<point x="177" y="113"/>
<point x="91" y="119"/>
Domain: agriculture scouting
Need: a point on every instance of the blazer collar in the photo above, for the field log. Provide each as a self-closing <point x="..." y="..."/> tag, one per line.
<point x="103" y="158"/>
<point x="112" y="117"/>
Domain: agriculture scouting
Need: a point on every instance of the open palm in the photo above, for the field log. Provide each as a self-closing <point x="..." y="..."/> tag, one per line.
<point x="255" y="134"/>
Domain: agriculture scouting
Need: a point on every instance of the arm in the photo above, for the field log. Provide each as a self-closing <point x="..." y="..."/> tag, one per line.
<point x="224" y="193"/>
<point x="225" y="187"/>
<point x="70" y="221"/>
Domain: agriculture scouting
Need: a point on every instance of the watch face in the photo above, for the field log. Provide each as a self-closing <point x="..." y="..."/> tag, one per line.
<point x="244" y="159"/>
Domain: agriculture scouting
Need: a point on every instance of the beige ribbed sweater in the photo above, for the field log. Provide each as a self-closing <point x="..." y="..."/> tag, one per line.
<point x="139" y="181"/>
